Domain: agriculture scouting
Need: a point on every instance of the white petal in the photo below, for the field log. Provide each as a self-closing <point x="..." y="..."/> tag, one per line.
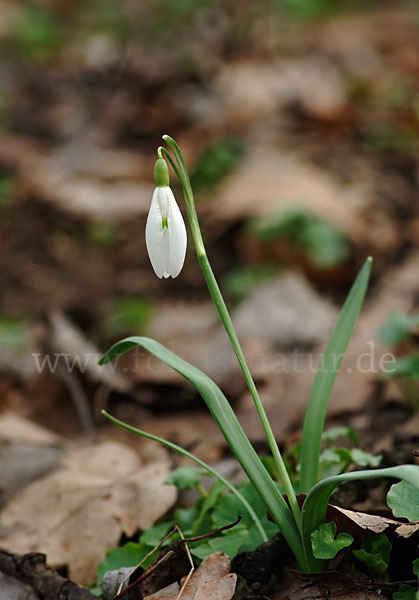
<point x="177" y="237"/>
<point x="158" y="251"/>
<point x="166" y="246"/>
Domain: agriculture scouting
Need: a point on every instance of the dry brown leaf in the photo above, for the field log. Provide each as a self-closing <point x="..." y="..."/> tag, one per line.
<point x="87" y="196"/>
<point x="247" y="91"/>
<point x="66" y="340"/>
<point x="170" y="592"/>
<point x="185" y="327"/>
<point x="27" y="451"/>
<point x="77" y="514"/>
<point x="81" y="157"/>
<point x="269" y="181"/>
<point x="211" y="581"/>
<point x="15" y="429"/>
<point x="286" y="312"/>
<point x="357" y="523"/>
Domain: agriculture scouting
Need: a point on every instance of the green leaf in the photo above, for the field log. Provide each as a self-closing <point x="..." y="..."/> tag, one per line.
<point x="406" y="592"/>
<point x="230" y="508"/>
<point x="407" y="366"/>
<point x="364" y="459"/>
<point x="251" y="542"/>
<point x="268" y="462"/>
<point x="6" y="181"/>
<point x="324" y="543"/>
<point x="200" y="550"/>
<point x="186" y="518"/>
<point x="403" y="499"/>
<point x="325" y="378"/>
<point x="416" y="567"/>
<point x="126" y="556"/>
<point x="231" y="542"/>
<point x="186" y="478"/>
<point x="233" y="432"/>
<point x="240" y="281"/>
<point x="103" y="234"/>
<point x="315" y="505"/>
<point x="38" y="33"/>
<point x="324" y="245"/>
<point x="333" y="461"/>
<point x="128" y="313"/>
<point x="398" y="328"/>
<point x="336" y="432"/>
<point x="216" y="162"/>
<point x="245" y="534"/>
<point x="154" y="534"/>
<point x="13" y="333"/>
<point x="215" y="494"/>
<point x="243" y="537"/>
<point x="374" y="553"/>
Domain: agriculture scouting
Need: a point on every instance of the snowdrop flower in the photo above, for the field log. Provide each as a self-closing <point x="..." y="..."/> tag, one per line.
<point x="165" y="231"/>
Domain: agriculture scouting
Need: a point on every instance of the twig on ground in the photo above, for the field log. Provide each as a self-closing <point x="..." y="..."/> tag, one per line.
<point x="32" y="569"/>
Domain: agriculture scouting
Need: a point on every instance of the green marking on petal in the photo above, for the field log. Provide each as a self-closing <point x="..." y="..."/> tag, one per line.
<point x="164" y="223"/>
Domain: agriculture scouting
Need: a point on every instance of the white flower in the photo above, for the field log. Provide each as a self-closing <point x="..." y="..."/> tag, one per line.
<point x="165" y="234"/>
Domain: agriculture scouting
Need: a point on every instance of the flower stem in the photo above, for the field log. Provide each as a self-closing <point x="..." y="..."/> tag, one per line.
<point x="182" y="173"/>
<point x="201" y="490"/>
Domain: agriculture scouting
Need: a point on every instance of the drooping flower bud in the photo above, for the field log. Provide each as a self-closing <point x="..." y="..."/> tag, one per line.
<point x="165" y="231"/>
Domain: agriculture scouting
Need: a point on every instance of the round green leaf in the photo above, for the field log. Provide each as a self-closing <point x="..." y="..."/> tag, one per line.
<point x="186" y="477"/>
<point x="324" y="543"/>
<point x="403" y="499"/>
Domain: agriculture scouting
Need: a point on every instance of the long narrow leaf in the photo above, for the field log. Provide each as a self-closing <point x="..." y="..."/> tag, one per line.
<point x="233" y="433"/>
<point x="315" y="504"/>
<point x="325" y="378"/>
<point x="211" y="471"/>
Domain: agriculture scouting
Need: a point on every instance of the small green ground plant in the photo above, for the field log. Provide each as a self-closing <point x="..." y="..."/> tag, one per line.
<point x="400" y="331"/>
<point x="265" y="494"/>
<point x="324" y="245"/>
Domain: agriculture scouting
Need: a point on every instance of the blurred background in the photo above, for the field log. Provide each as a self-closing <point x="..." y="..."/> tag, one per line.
<point x="299" y="121"/>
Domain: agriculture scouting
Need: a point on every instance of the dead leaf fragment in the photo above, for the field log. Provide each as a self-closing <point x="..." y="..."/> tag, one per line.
<point x="269" y="182"/>
<point x="87" y="196"/>
<point x="358" y="523"/>
<point x="27" y="452"/>
<point x="75" y="515"/>
<point x="211" y="581"/>
<point x="286" y="312"/>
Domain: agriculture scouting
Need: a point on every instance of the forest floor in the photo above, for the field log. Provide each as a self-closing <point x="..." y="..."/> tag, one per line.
<point x="303" y="150"/>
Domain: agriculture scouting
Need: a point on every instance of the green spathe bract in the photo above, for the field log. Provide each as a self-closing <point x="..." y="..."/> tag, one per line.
<point x="161" y="173"/>
<point x="295" y="525"/>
